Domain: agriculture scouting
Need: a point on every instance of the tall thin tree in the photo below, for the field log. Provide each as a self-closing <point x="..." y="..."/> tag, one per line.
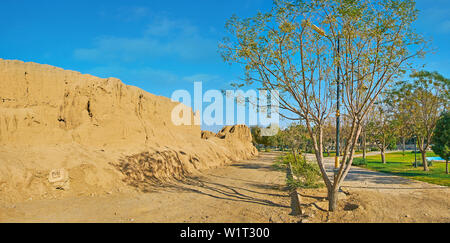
<point x="294" y="48"/>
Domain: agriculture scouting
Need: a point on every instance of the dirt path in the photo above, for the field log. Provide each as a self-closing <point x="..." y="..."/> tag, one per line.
<point x="247" y="191"/>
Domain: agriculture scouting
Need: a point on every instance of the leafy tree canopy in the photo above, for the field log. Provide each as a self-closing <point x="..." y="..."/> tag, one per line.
<point x="441" y="138"/>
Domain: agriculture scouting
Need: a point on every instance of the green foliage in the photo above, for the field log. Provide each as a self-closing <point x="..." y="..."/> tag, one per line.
<point x="392" y="145"/>
<point x="281" y="163"/>
<point x="400" y="165"/>
<point x="297" y="138"/>
<point x="359" y="162"/>
<point x="381" y="128"/>
<point x="421" y="101"/>
<point x="441" y="138"/>
<point x="279" y="140"/>
<point x="293" y="48"/>
<point x="308" y="174"/>
<point x="257" y="137"/>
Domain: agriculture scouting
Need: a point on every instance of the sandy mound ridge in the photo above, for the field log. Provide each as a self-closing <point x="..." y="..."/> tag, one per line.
<point x="107" y="135"/>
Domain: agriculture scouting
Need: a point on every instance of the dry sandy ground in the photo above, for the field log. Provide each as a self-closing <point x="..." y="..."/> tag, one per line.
<point x="248" y="191"/>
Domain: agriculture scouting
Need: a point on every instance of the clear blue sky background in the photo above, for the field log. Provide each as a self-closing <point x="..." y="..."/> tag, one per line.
<point x="159" y="46"/>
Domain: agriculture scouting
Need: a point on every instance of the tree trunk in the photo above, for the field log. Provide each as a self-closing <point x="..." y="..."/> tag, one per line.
<point x="383" y="156"/>
<point x="423" y="150"/>
<point x="446" y="167"/>
<point x="424" y="161"/>
<point x="364" y="146"/>
<point x="332" y="199"/>
<point x="404" y="145"/>
<point x="294" y="153"/>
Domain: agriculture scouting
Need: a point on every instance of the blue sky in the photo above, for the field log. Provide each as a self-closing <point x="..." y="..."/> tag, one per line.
<point x="159" y="46"/>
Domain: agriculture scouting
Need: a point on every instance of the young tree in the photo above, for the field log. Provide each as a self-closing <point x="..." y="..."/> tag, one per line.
<point x="403" y="127"/>
<point x="382" y="129"/>
<point x="280" y="140"/>
<point x="296" y="138"/>
<point x="424" y="99"/>
<point x="362" y="44"/>
<point x="258" y="137"/>
<point x="402" y="118"/>
<point x="441" y="138"/>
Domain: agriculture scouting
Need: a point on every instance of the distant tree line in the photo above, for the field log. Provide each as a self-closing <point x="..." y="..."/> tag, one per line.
<point x="410" y="111"/>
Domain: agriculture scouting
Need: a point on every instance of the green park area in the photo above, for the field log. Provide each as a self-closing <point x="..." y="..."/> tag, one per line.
<point x="403" y="165"/>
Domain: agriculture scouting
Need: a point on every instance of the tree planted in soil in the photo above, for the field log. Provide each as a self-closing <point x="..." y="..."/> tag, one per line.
<point x="294" y="49"/>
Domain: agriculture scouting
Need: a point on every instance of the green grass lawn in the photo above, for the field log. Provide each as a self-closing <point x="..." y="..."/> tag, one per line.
<point x="333" y="154"/>
<point x="401" y="165"/>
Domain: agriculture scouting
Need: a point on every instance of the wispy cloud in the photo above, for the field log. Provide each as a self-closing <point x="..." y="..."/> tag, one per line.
<point x="202" y="78"/>
<point x="150" y="75"/>
<point x="136" y="75"/>
<point x="163" y="37"/>
<point x="138" y="58"/>
<point x="445" y="26"/>
<point x="127" y="13"/>
<point x="163" y="26"/>
<point x="435" y="19"/>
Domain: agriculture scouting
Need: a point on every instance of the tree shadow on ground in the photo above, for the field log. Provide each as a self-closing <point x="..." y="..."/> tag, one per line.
<point x="136" y="174"/>
<point x="223" y="192"/>
<point x="231" y="178"/>
<point x="313" y="197"/>
<point x="256" y="184"/>
<point x="254" y="166"/>
<point x="269" y="186"/>
<point x="318" y="207"/>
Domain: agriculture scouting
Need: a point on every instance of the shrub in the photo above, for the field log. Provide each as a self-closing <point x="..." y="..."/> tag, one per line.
<point x="308" y="174"/>
<point x="359" y="162"/>
<point x="282" y="162"/>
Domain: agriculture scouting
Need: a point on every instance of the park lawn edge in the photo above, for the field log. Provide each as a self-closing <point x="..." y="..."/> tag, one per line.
<point x="436" y="177"/>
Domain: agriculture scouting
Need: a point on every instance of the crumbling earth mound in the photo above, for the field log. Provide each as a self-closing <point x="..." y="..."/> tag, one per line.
<point x="106" y="135"/>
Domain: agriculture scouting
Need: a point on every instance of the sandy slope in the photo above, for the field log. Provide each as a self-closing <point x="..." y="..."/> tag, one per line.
<point x="107" y="136"/>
